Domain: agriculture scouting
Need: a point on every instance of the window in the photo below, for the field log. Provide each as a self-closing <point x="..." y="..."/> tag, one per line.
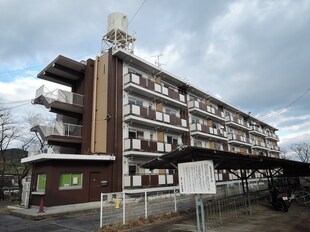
<point x="136" y="134"/>
<point x="218" y="146"/>
<point x="214" y="106"/>
<point x="197" y="143"/>
<point x="135" y="101"/>
<point x="172" y="140"/>
<point x="41" y="182"/>
<point x="132" y="169"/>
<point x="170" y="111"/>
<point x="195" y="120"/>
<point x="132" y="134"/>
<point x="71" y="181"/>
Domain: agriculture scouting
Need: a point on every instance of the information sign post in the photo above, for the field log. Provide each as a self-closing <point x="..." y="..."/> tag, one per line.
<point x="197" y="178"/>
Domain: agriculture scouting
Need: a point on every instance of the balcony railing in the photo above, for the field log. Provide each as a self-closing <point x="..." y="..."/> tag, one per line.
<point x="272" y="136"/>
<point x="206" y="109"/>
<point x="61" y="129"/>
<point x="237" y="121"/>
<point x="60" y="95"/>
<point x="259" y="144"/>
<point x="151" y="114"/>
<point x="239" y="138"/>
<point x="207" y="130"/>
<point x="152" y="86"/>
<point x="148" y="146"/>
<point x="257" y="130"/>
<point x="273" y="147"/>
<point x="149" y="180"/>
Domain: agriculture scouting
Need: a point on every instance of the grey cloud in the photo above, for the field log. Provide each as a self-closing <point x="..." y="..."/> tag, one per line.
<point x="259" y="63"/>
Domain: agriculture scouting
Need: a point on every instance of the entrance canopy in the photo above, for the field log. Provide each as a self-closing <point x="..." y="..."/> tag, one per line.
<point x="227" y="160"/>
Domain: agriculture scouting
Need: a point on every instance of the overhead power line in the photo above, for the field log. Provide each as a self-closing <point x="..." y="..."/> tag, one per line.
<point x="286" y="107"/>
<point x="144" y="1"/>
<point x="14" y="102"/>
<point x="14" y="107"/>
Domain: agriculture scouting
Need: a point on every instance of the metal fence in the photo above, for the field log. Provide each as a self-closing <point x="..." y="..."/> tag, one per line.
<point x="225" y="210"/>
<point x="227" y="204"/>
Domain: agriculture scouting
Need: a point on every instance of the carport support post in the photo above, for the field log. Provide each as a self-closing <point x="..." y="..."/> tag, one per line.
<point x="200" y="214"/>
<point x="124" y="208"/>
<point x="245" y="191"/>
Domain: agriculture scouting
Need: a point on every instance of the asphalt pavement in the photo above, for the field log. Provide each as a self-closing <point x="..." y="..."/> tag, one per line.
<point x="297" y="219"/>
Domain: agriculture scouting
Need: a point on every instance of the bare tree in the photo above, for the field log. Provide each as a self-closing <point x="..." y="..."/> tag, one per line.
<point x="302" y="150"/>
<point x="34" y="120"/>
<point x="283" y="153"/>
<point x="8" y="133"/>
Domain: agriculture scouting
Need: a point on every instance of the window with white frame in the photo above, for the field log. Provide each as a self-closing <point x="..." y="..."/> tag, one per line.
<point x="197" y="143"/>
<point x="135" y="101"/>
<point x="136" y="134"/>
<point x="172" y="139"/>
<point x="170" y="111"/>
<point x="196" y="120"/>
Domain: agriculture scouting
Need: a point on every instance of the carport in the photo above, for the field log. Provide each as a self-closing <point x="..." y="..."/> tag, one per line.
<point x="232" y="162"/>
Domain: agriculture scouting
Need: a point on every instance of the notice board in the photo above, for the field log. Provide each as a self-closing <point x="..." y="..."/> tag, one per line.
<point x="197" y="177"/>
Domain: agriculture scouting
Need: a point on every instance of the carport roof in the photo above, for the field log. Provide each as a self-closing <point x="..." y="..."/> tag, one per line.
<point x="227" y="160"/>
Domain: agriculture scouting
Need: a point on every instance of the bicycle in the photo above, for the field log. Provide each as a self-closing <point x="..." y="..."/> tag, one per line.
<point x="301" y="196"/>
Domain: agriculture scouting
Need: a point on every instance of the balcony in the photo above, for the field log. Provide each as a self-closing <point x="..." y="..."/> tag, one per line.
<point x="149" y="180"/>
<point x="258" y="131"/>
<point x="259" y="145"/>
<point x="273" y="148"/>
<point x="150" y="117"/>
<point x="202" y="109"/>
<point x="59" y="132"/>
<point x="147" y="147"/>
<point x="238" y="139"/>
<point x="207" y="131"/>
<point x="233" y="121"/>
<point x="59" y="99"/>
<point x="149" y="88"/>
<point x="272" y="136"/>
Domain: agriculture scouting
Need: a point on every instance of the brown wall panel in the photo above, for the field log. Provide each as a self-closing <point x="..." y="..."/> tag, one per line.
<point x="101" y="100"/>
<point x="114" y="124"/>
<point x="87" y="113"/>
<point x="53" y="169"/>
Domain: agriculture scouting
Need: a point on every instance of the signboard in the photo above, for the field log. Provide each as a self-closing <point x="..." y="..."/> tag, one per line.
<point x="197" y="177"/>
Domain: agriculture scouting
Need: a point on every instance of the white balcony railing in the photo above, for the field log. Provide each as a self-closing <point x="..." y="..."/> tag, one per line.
<point x="205" y="108"/>
<point x="157" y="87"/>
<point x="237" y="121"/>
<point x="60" y="95"/>
<point x="61" y="129"/>
<point x="146" y="145"/>
<point x="159" y="116"/>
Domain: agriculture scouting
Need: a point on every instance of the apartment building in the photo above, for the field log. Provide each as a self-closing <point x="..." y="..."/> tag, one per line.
<point x="120" y="112"/>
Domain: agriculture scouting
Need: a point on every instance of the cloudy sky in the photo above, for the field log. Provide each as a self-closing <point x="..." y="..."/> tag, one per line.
<point x="253" y="54"/>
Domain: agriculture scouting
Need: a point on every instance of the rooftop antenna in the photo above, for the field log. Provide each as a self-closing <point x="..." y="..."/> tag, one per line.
<point x="157" y="60"/>
<point x="117" y="34"/>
